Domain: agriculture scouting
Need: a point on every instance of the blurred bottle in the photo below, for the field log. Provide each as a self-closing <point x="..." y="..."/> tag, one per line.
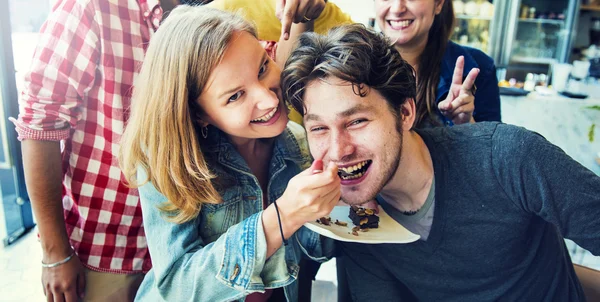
<point x="531" y="13"/>
<point x="542" y="80"/>
<point x="529" y="84"/>
<point x="524" y="11"/>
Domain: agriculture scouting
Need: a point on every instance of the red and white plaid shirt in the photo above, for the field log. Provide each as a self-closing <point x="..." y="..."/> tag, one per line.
<point x="77" y="91"/>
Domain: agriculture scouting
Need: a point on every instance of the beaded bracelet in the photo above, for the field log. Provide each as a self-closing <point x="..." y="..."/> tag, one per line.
<point x="55" y="264"/>
<point x="280" y="227"/>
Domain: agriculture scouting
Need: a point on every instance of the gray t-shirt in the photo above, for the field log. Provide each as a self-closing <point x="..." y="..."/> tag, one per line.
<point x="419" y="223"/>
<point x="505" y="199"/>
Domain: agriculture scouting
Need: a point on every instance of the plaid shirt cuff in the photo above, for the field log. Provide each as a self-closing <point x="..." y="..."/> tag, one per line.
<point x="24" y="132"/>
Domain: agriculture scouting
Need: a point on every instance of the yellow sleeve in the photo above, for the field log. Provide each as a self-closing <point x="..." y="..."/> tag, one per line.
<point x="262" y="14"/>
<point x="331" y="17"/>
<point x="294" y="116"/>
<point x="259" y="12"/>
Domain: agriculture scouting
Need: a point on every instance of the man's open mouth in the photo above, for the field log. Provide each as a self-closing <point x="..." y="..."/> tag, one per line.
<point x="355" y="171"/>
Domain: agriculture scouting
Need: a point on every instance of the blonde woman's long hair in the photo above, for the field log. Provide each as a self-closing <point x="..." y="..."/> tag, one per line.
<point x="161" y="135"/>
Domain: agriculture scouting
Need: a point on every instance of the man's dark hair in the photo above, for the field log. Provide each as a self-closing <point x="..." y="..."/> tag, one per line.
<point x="352" y="53"/>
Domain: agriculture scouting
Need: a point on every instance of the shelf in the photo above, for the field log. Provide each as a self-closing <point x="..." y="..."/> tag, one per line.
<point x="533" y="60"/>
<point x="467" y="17"/>
<point x="595" y="8"/>
<point x="544" y="21"/>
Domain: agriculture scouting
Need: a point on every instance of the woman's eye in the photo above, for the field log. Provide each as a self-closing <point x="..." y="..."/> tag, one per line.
<point x="236" y="96"/>
<point x="263" y="68"/>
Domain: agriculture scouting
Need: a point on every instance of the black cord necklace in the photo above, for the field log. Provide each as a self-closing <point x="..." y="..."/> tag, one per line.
<point x="410" y="213"/>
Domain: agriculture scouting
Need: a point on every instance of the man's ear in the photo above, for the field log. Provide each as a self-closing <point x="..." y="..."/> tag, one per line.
<point x="408" y="112"/>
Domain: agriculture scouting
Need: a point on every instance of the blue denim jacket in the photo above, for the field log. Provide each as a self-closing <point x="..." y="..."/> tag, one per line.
<point x="487" y="97"/>
<point x="221" y="255"/>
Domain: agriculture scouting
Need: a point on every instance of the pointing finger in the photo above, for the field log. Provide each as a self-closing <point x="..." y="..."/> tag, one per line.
<point x="287" y="18"/>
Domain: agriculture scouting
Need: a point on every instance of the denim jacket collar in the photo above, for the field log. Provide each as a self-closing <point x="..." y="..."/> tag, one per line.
<point x="285" y="148"/>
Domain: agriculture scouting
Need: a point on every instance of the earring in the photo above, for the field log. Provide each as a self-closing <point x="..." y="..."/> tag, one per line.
<point x="204" y="131"/>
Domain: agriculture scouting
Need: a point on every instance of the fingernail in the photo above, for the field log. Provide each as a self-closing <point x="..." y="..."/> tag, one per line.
<point x="286" y="36"/>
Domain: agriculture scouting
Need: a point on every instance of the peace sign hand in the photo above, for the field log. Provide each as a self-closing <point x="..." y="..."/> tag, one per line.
<point x="460" y="102"/>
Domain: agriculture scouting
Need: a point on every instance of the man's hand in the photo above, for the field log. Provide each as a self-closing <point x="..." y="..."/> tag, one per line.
<point x="460" y="102"/>
<point x="43" y="175"/>
<point x="297" y="11"/>
<point x="65" y="282"/>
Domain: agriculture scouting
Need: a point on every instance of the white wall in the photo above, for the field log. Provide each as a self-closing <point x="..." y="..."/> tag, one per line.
<point x="359" y="10"/>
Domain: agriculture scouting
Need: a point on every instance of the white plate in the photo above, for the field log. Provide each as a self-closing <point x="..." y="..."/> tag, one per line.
<point x="389" y="230"/>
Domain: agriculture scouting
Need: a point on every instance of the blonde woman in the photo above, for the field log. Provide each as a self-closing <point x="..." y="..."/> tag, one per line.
<point x="218" y="166"/>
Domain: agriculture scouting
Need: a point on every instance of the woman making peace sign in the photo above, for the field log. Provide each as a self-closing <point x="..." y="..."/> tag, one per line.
<point x="421" y="30"/>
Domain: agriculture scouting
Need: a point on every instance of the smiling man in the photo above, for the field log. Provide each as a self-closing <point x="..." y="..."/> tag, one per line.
<point x="490" y="201"/>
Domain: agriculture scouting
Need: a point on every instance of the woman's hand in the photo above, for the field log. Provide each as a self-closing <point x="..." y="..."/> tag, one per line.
<point x="297" y="11"/>
<point x="310" y="195"/>
<point x="460" y="102"/>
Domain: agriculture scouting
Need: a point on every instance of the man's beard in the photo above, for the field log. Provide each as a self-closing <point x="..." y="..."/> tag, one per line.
<point x="395" y="164"/>
<point x="390" y="173"/>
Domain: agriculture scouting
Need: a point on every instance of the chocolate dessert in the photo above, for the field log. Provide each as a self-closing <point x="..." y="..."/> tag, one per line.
<point x="324" y="220"/>
<point x="364" y="218"/>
